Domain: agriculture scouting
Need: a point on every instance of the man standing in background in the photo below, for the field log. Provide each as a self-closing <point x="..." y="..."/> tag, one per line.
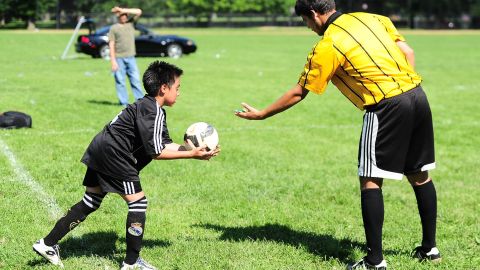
<point x="122" y="53"/>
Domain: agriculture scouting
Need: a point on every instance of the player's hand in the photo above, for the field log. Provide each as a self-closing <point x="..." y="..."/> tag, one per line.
<point x="249" y="113"/>
<point x="201" y="152"/>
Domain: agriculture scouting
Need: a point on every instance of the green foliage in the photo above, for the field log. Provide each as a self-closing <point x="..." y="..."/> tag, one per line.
<point x="201" y="9"/>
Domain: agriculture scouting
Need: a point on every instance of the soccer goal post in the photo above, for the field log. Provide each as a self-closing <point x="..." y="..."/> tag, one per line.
<point x="72" y="38"/>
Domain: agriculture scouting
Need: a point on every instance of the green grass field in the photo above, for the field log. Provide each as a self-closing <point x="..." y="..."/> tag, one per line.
<point x="283" y="194"/>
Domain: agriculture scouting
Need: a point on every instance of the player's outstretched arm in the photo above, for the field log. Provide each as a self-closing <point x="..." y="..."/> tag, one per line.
<point x="289" y="99"/>
<point x="177" y="151"/>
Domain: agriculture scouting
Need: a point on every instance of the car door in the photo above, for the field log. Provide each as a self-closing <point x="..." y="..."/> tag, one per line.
<point x="144" y="43"/>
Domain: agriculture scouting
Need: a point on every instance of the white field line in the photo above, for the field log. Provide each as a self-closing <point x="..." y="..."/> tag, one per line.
<point x="24" y="177"/>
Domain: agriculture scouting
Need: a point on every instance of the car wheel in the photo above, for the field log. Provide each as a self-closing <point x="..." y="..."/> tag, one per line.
<point x="174" y="50"/>
<point x="104" y="52"/>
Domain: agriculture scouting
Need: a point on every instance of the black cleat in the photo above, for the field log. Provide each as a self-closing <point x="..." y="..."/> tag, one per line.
<point x="363" y="264"/>
<point x="433" y="255"/>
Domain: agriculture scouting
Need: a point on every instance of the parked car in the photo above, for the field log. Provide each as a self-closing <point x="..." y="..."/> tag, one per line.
<point x="147" y="43"/>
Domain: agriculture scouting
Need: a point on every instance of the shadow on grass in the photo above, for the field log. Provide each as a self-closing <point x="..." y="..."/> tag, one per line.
<point x="325" y="246"/>
<point x="104" y="102"/>
<point x="101" y="244"/>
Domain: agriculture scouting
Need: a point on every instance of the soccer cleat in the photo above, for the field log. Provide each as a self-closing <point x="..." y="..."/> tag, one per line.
<point x="140" y="264"/>
<point x="363" y="264"/>
<point x="433" y="255"/>
<point x="51" y="253"/>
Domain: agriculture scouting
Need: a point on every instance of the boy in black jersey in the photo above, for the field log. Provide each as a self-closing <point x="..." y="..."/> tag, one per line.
<point x="118" y="153"/>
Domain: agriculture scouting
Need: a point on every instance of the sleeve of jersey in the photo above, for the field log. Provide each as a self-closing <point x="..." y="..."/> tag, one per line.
<point x="151" y="127"/>
<point x="321" y="65"/>
<point x="391" y="29"/>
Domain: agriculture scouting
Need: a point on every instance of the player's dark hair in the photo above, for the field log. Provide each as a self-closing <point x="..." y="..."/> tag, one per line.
<point x="157" y="74"/>
<point x="305" y="7"/>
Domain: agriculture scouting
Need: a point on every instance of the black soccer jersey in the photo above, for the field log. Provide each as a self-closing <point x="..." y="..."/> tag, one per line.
<point x="126" y="145"/>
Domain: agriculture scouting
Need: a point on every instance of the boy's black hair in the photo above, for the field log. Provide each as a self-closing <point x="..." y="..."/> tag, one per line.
<point x="159" y="73"/>
<point x="305" y="7"/>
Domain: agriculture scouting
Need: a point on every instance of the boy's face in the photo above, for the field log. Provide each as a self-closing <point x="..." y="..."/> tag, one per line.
<point x="171" y="92"/>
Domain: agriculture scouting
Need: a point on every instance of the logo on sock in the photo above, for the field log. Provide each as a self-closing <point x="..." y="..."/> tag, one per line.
<point x="135" y="229"/>
<point x="74" y="224"/>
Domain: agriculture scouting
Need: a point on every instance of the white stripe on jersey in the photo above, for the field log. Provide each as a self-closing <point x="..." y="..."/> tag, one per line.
<point x="161" y="131"/>
<point x="157" y="130"/>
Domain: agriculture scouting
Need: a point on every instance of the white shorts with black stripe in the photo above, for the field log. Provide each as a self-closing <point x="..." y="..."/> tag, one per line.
<point x="397" y="137"/>
<point x="108" y="184"/>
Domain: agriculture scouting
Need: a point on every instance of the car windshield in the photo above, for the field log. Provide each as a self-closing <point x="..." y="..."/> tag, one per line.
<point x="103" y="30"/>
<point x="142" y="30"/>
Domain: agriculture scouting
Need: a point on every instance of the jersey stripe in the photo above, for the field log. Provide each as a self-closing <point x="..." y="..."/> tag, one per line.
<point x="370" y="29"/>
<point x="369" y="56"/>
<point x="359" y="53"/>
<point x="359" y="73"/>
<point x="348" y="86"/>
<point x="310" y="66"/>
<point x="157" y="130"/>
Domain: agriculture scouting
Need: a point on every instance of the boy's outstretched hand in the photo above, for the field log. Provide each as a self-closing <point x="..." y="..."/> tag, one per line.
<point x="201" y="152"/>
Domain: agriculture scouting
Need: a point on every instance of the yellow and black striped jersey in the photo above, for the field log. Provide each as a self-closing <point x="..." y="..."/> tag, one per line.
<point x="359" y="54"/>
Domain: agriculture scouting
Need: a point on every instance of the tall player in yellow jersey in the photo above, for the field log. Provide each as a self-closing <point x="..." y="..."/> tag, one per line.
<point x="371" y="64"/>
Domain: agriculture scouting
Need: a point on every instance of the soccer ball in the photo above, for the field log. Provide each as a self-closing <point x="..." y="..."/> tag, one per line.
<point x="201" y="133"/>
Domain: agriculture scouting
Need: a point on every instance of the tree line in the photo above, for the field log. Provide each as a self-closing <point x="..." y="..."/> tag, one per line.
<point x="438" y="11"/>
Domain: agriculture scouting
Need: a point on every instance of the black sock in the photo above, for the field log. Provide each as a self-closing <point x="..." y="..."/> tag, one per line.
<point x="74" y="217"/>
<point x="427" y="208"/>
<point x="372" y="213"/>
<point x="135" y="227"/>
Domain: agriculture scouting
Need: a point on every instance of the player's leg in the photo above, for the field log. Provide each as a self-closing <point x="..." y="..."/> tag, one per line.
<point x="135" y="226"/>
<point x="427" y="207"/>
<point x="90" y="202"/>
<point x="134" y="77"/>
<point x="421" y="159"/>
<point x="381" y="154"/>
<point x="120" y="84"/>
<point x="48" y="246"/>
<point x="373" y="216"/>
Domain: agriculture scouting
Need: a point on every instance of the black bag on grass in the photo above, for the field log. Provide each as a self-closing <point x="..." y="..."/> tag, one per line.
<point x="15" y="120"/>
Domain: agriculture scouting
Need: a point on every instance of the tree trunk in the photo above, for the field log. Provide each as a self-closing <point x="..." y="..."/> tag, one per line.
<point x="31" y="25"/>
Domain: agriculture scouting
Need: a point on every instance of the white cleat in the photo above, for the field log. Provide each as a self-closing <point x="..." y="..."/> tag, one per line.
<point x="51" y="253"/>
<point x="140" y="264"/>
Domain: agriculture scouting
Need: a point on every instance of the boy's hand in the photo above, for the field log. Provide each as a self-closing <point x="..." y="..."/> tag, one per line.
<point x="201" y="151"/>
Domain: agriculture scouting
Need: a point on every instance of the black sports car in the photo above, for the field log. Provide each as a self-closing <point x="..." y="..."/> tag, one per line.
<point x="147" y="43"/>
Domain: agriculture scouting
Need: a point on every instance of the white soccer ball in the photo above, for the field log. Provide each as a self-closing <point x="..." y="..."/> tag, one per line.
<point x="201" y="133"/>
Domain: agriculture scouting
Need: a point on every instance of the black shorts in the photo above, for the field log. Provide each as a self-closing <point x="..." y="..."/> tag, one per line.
<point x="397" y="137"/>
<point x="108" y="184"/>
